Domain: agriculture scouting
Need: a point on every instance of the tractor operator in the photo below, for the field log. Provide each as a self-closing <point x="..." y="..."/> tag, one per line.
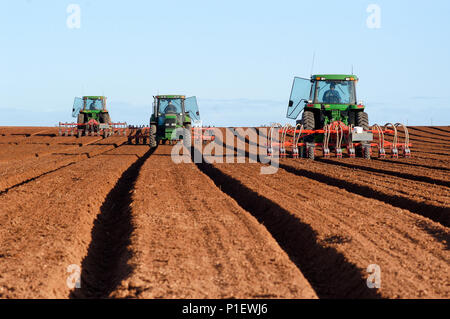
<point x="170" y="108"/>
<point x="92" y="105"/>
<point x="332" y="96"/>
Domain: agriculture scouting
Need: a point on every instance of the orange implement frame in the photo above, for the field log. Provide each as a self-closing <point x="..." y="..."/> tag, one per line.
<point x="141" y="134"/>
<point x="338" y="136"/>
<point x="92" y="128"/>
<point x="204" y="134"/>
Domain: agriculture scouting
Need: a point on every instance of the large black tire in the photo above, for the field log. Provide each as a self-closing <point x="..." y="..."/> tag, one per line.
<point x="363" y="151"/>
<point x="366" y="152"/>
<point x="105" y="118"/>
<point x="188" y="128"/>
<point x="309" y="123"/>
<point x="302" y="152"/>
<point x="80" y="119"/>
<point x="308" y="120"/>
<point x="362" y="120"/>
<point x="152" y="138"/>
<point x="310" y="152"/>
<point x="351" y="117"/>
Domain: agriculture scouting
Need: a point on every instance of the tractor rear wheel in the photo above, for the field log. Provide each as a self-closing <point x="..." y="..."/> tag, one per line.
<point x="105" y="118"/>
<point x="309" y="123"/>
<point x="351" y="117"/>
<point x="308" y="120"/>
<point x="152" y="138"/>
<point x="80" y="119"/>
<point x="362" y="120"/>
<point x="187" y="136"/>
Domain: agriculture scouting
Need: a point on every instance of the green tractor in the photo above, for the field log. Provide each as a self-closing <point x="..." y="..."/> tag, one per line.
<point x="325" y="99"/>
<point x="92" y="119"/>
<point x="91" y="108"/>
<point x="171" y="112"/>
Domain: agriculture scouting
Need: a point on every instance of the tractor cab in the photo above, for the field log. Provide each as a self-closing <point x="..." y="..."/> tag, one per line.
<point x="170" y="110"/>
<point x="334" y="92"/>
<point x="326" y="99"/>
<point x="95" y="104"/>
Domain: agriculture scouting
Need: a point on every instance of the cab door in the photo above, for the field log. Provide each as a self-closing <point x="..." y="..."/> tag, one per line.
<point x="77" y="106"/>
<point x="191" y="108"/>
<point x="300" y="94"/>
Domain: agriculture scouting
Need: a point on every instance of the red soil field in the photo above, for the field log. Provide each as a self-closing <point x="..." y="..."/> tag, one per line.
<point x="138" y="225"/>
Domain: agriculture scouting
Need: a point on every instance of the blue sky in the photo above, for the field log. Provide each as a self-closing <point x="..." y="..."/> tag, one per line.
<point x="238" y="57"/>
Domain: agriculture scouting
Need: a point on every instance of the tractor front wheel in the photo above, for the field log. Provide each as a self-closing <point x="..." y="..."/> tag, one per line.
<point x="310" y="152"/>
<point x="366" y="152"/>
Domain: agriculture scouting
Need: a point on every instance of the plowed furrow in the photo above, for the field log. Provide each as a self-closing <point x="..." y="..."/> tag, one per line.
<point x="444" y="160"/>
<point x="434" y="147"/>
<point x="190" y="240"/>
<point x="420" y="175"/>
<point x="48" y="222"/>
<point x="428" y="141"/>
<point x="105" y="264"/>
<point x="330" y="241"/>
<point x="429" y="136"/>
<point x="431" y="131"/>
<point x="299" y="240"/>
<point x="430" y="147"/>
<point x="428" y="200"/>
<point x="445" y="129"/>
<point x="21" y="172"/>
<point x="431" y="153"/>
<point x="418" y="163"/>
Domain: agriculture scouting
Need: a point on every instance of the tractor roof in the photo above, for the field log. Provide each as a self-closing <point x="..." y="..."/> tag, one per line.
<point x="170" y="96"/>
<point x="341" y="77"/>
<point x="94" y="97"/>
